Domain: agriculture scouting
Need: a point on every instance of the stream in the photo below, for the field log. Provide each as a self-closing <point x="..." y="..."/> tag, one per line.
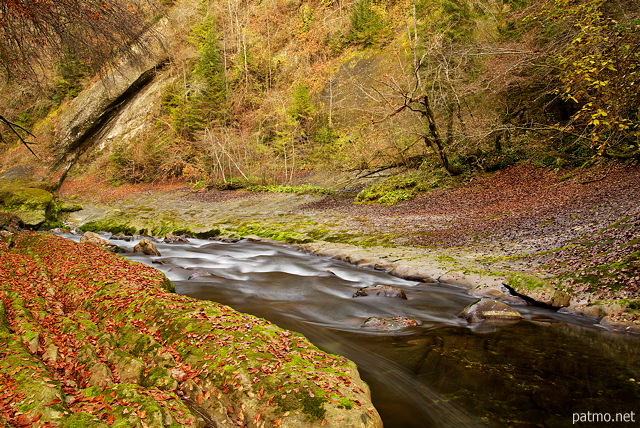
<point x="540" y="371"/>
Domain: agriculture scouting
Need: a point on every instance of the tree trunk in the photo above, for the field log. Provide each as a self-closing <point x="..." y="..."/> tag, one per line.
<point x="433" y="138"/>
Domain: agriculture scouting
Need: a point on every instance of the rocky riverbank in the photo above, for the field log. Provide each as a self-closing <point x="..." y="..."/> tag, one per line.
<point x="569" y="240"/>
<point x="88" y="339"/>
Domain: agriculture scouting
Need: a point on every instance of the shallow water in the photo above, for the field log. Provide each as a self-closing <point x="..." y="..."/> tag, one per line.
<point x="443" y="373"/>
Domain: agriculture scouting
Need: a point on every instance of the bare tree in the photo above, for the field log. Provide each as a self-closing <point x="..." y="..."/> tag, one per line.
<point x="30" y="31"/>
<point x="34" y="33"/>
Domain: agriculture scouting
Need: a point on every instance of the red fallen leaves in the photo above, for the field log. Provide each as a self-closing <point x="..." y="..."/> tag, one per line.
<point x="524" y="210"/>
<point x="84" y="278"/>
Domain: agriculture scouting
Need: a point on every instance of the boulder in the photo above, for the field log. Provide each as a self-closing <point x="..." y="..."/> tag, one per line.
<point x="170" y="238"/>
<point x="32" y="205"/>
<point x="381" y="290"/>
<point x="94" y="238"/>
<point x="146" y="247"/>
<point x="489" y="309"/>
<point x="389" y="324"/>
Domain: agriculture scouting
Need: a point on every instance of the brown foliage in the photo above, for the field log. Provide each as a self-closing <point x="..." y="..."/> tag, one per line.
<point x="30" y="32"/>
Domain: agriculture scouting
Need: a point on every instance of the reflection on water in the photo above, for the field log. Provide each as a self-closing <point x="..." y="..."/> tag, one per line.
<point x="442" y="373"/>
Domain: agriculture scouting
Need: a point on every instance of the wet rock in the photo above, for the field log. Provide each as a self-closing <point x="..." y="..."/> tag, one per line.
<point x="201" y="274"/>
<point x="147" y="247"/>
<point x="389" y="324"/>
<point x="60" y="231"/>
<point x="381" y="290"/>
<point x="170" y="238"/>
<point x="94" y="238"/>
<point x="560" y="299"/>
<point x="489" y="309"/>
<point x="126" y="238"/>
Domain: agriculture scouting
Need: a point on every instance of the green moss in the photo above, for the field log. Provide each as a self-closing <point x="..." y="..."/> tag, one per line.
<point x="305" y="189"/>
<point x="211" y="233"/>
<point x="158" y="377"/>
<point x="446" y="259"/>
<point x="527" y="282"/>
<point x="268" y="231"/>
<point x="25" y="199"/>
<point x="395" y="189"/>
<point x="109" y="225"/>
<point x="82" y="420"/>
<point x="346" y="403"/>
<point x="312" y="406"/>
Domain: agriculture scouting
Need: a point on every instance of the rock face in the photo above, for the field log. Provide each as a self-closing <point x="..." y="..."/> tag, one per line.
<point x="91" y="116"/>
<point x="144" y="350"/>
<point x="146" y="247"/>
<point x="389" y="324"/>
<point x="489" y="309"/>
<point x="381" y="290"/>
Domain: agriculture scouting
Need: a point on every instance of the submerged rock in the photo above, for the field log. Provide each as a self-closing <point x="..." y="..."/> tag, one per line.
<point x="170" y="238"/>
<point x="381" y="290"/>
<point x="489" y="309"/>
<point x="147" y="247"/>
<point x="389" y="324"/>
<point x="201" y="274"/>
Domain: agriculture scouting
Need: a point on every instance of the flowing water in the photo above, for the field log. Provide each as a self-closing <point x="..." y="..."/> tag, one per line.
<point x="541" y="371"/>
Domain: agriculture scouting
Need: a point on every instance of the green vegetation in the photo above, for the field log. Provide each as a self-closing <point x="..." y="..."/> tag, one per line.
<point x="600" y="72"/>
<point x="71" y="74"/>
<point x="304" y="189"/>
<point x="368" y="22"/>
<point x="396" y="189"/>
<point x="113" y="226"/>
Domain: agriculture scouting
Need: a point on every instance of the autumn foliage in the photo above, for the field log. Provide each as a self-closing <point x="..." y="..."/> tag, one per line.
<point x="31" y="32"/>
<point x="88" y="337"/>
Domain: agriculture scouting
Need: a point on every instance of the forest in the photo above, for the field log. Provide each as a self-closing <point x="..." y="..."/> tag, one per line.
<point x="259" y="93"/>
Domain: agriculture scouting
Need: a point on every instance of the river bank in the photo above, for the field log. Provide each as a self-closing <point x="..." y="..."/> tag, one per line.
<point x="569" y="240"/>
<point x="90" y="339"/>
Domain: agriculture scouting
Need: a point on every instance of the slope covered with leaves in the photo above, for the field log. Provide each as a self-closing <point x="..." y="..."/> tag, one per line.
<point x="262" y="92"/>
<point x="88" y="338"/>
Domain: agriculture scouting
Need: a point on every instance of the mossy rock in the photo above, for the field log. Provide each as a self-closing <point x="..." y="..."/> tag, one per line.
<point x="109" y="225"/>
<point x="34" y="207"/>
<point x="29" y="204"/>
<point x="142" y="347"/>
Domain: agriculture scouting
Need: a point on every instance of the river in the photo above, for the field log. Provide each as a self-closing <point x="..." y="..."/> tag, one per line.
<point x="546" y="370"/>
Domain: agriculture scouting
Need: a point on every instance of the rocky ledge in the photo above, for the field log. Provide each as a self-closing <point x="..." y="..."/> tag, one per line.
<point x="90" y="339"/>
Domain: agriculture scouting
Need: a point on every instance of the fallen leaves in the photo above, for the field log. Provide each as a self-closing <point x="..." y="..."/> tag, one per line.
<point x="89" y="303"/>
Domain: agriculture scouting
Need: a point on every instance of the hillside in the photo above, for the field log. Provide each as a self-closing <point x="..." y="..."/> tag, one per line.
<point x="241" y="93"/>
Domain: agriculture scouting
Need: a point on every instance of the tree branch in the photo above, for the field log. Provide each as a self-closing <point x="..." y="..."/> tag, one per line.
<point x="14" y="127"/>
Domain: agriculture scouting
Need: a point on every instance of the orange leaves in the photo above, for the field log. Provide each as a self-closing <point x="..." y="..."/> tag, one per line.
<point x="110" y="306"/>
